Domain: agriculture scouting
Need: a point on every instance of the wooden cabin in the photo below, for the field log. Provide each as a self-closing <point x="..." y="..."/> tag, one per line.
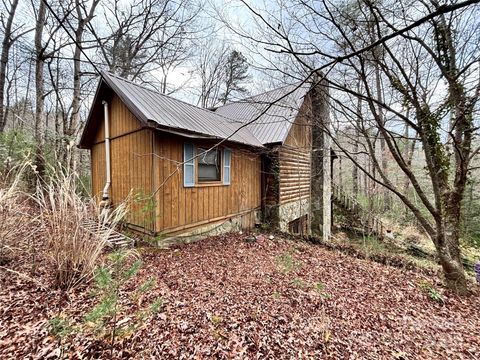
<point x="190" y="171"/>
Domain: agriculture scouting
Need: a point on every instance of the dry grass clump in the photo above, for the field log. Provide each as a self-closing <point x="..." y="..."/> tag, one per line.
<point x="13" y="216"/>
<point x="73" y="250"/>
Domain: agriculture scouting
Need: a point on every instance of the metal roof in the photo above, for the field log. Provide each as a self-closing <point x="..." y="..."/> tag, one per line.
<point x="167" y="112"/>
<point x="270" y="123"/>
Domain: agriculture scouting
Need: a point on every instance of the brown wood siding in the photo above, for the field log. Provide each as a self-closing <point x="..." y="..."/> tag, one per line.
<point x="131" y="168"/>
<point x="295" y="159"/>
<point x="98" y="169"/>
<point x="180" y="208"/>
<point x="147" y="162"/>
<point x="131" y="151"/>
<point x="122" y="121"/>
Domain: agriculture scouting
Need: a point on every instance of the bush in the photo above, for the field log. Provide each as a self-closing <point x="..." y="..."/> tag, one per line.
<point x="430" y="290"/>
<point x="102" y="320"/>
<point x="109" y="281"/>
<point x="15" y="148"/>
<point x="287" y="263"/>
<point x="73" y="250"/>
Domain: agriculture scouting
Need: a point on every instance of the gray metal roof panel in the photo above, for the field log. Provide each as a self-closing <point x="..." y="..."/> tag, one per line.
<point x="276" y="110"/>
<point x="176" y="114"/>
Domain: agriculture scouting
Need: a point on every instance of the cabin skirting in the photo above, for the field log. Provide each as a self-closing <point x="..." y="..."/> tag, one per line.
<point x="237" y="222"/>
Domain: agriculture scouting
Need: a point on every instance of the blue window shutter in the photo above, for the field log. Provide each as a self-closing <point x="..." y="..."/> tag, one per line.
<point x="188" y="165"/>
<point x="227" y="160"/>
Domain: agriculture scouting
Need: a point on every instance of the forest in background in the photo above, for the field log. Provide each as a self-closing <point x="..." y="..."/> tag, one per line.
<point x="52" y="53"/>
<point x="402" y="79"/>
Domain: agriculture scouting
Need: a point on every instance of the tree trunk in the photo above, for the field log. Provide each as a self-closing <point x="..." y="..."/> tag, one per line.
<point x="355" y="179"/>
<point x="6" y="44"/>
<point x="409" y="152"/>
<point x="372" y="191"/>
<point x="355" y="172"/>
<point x="71" y="130"/>
<point x="448" y="250"/>
<point x="39" y="90"/>
<point x="386" y="194"/>
<point x="365" y="177"/>
<point x="340" y="172"/>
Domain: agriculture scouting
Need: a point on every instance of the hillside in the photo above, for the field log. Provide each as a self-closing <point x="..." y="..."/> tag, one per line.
<point x="227" y="297"/>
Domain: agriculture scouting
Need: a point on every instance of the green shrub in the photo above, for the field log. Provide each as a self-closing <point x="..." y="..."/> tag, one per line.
<point x="287" y="263"/>
<point x="109" y="281"/>
<point x="102" y="320"/>
<point x="16" y="147"/>
<point x="430" y="290"/>
<point x="297" y="282"/>
<point x="319" y="288"/>
<point x="60" y="326"/>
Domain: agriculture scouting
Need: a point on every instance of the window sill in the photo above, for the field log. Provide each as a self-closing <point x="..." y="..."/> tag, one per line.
<point x="210" y="183"/>
<point x="207" y="184"/>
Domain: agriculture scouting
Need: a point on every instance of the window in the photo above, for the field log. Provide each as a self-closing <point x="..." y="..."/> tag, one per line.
<point x="201" y="166"/>
<point x="208" y="165"/>
<point x="188" y="165"/>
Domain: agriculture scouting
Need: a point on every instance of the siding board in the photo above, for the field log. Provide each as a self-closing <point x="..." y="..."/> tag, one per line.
<point x="199" y="204"/>
<point x="130" y="173"/>
<point x="295" y="160"/>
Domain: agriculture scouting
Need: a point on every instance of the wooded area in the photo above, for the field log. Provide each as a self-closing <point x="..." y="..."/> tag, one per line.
<point x="402" y="83"/>
<point x="410" y="78"/>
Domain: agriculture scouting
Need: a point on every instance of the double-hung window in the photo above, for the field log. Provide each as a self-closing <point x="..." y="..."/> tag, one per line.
<point x="209" y="163"/>
<point x="202" y="165"/>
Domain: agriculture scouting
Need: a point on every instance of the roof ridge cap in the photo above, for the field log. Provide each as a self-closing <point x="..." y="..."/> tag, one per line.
<point x="237" y="124"/>
<point x="168" y="96"/>
<point x="300" y="83"/>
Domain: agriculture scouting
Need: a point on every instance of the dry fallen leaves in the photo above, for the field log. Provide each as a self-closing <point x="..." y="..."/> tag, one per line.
<point x="228" y="298"/>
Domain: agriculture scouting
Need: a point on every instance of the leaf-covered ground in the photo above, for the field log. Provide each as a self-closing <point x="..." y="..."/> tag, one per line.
<point x="226" y="297"/>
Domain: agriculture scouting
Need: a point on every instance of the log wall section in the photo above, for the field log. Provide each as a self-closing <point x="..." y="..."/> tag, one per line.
<point x="295" y="159"/>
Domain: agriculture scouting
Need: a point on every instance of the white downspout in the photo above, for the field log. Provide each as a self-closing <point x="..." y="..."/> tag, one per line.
<point x="105" y="194"/>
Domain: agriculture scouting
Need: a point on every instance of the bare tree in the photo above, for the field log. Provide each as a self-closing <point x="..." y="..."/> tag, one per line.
<point x="436" y="55"/>
<point x="39" y="87"/>
<point x="210" y="68"/>
<point x="55" y="65"/>
<point x="69" y="116"/>
<point x="10" y="35"/>
<point x="84" y="14"/>
<point x="145" y="36"/>
<point x="45" y="49"/>
<point x="423" y="46"/>
<point x="355" y="179"/>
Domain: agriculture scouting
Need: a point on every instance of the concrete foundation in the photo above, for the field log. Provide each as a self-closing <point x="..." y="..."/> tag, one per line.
<point x="233" y="224"/>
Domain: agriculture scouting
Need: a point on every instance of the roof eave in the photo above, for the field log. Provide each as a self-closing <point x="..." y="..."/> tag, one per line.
<point x="193" y="134"/>
<point x="130" y="105"/>
<point x="105" y="79"/>
<point x="81" y="144"/>
<point x="145" y="122"/>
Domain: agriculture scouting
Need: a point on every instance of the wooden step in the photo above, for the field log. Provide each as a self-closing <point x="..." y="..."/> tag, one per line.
<point x="370" y="222"/>
<point x="114" y="239"/>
